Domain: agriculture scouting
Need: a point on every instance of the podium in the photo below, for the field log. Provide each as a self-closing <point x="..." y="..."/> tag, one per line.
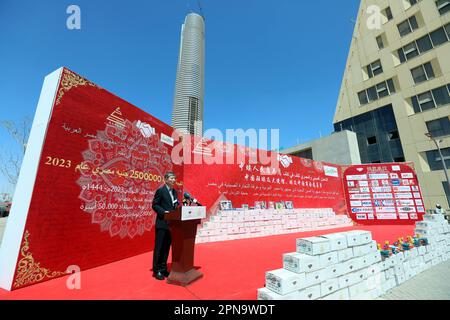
<point x="183" y="227"/>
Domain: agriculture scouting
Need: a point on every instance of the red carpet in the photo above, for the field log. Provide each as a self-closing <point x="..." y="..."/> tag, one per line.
<point x="233" y="270"/>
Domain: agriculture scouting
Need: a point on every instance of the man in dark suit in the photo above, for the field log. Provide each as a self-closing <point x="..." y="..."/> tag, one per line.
<point x="165" y="200"/>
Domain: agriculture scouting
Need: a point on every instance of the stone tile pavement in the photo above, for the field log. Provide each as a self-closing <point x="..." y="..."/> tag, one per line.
<point x="432" y="284"/>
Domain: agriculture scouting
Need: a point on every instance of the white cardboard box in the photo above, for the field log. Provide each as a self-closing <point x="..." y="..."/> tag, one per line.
<point x="399" y="269"/>
<point x="338" y="241"/>
<point x="389" y="273"/>
<point x="300" y="262"/>
<point x="358" y="237"/>
<point x="400" y="279"/>
<point x="284" y="281"/>
<point x="334" y="271"/>
<point x="310" y="293"/>
<point x="433" y="217"/>
<point x="351" y="265"/>
<point x="329" y="286"/>
<point x="359" y="251"/>
<point x="315" y="277"/>
<point x="357" y="290"/>
<point x="348" y="279"/>
<point x="373" y="270"/>
<point x="374" y="257"/>
<point x="342" y="294"/>
<point x="328" y="259"/>
<point x="374" y="281"/>
<point x="422" y="250"/>
<point x="426" y="224"/>
<point x="313" y="245"/>
<point x="266" y="294"/>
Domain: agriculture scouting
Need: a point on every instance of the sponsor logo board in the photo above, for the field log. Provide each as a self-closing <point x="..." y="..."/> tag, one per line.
<point x="360" y="196"/>
<point x="374" y="176"/>
<point x="387" y="216"/>
<point x="385" y="209"/>
<point x="357" y="177"/>
<point x="382" y="196"/>
<point x="381" y="189"/>
<point x="406" y="195"/>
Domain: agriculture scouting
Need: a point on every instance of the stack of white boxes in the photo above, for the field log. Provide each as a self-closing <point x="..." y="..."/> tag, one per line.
<point x="241" y="224"/>
<point x="348" y="265"/>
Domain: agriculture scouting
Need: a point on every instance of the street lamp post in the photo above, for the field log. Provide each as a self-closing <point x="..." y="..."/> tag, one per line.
<point x="429" y="135"/>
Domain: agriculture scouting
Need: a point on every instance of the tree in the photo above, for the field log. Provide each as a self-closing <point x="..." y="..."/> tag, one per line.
<point x="11" y="159"/>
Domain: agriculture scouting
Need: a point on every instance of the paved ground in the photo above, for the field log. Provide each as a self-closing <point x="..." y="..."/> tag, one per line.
<point x="2" y="227"/>
<point x="432" y="284"/>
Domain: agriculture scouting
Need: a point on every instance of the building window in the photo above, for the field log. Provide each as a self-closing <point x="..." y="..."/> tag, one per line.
<point x="431" y="99"/>
<point x="375" y="68"/>
<point x="393" y="135"/>
<point x="435" y="161"/>
<point x="424" y="44"/>
<point x="422" y="73"/>
<point x="379" y="91"/>
<point x="380" y="42"/>
<point x="441" y="96"/>
<point x="193" y="115"/>
<point x="371" y="140"/>
<point x="439" y="127"/>
<point x="388" y="13"/>
<point x="408" y="26"/>
<point x="438" y="37"/>
<point x="363" y="97"/>
<point x="382" y="90"/>
<point x="410" y="51"/>
<point x="391" y="86"/>
<point x="443" y="6"/>
<point x="446" y="190"/>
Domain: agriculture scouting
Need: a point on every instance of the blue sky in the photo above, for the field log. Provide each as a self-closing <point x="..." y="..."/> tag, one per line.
<point x="270" y="64"/>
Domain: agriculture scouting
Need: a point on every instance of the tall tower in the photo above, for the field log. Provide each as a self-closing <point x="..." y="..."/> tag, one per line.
<point x="396" y="88"/>
<point x="187" y="115"/>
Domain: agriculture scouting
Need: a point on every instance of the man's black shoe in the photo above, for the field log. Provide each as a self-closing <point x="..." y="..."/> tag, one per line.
<point x="158" y="275"/>
<point x="165" y="273"/>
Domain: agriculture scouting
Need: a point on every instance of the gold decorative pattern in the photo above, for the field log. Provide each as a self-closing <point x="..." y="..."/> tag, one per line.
<point x="70" y="80"/>
<point x="28" y="270"/>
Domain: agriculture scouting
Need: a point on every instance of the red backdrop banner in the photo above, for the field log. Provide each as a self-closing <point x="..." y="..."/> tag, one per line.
<point x="253" y="182"/>
<point x="383" y="194"/>
<point x="101" y="163"/>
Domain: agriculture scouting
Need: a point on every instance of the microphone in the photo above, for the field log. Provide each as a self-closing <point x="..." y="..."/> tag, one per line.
<point x="187" y="196"/>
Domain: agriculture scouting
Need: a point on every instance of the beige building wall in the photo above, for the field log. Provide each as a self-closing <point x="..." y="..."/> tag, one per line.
<point x="338" y="148"/>
<point x="411" y="126"/>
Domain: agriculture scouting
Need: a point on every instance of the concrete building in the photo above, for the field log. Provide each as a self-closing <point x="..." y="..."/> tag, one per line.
<point x="396" y="88"/>
<point x="187" y="115"/>
<point x="339" y="148"/>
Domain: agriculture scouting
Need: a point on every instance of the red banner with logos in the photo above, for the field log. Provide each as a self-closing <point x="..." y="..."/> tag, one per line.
<point x="383" y="194"/>
<point x="247" y="178"/>
<point x="101" y="162"/>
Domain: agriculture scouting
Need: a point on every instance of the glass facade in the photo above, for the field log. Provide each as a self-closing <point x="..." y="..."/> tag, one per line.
<point x="439" y="127"/>
<point x="435" y="161"/>
<point x="377" y="135"/>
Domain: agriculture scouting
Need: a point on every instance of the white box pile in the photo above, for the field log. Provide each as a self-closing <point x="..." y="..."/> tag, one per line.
<point x="348" y="266"/>
<point x="241" y="224"/>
